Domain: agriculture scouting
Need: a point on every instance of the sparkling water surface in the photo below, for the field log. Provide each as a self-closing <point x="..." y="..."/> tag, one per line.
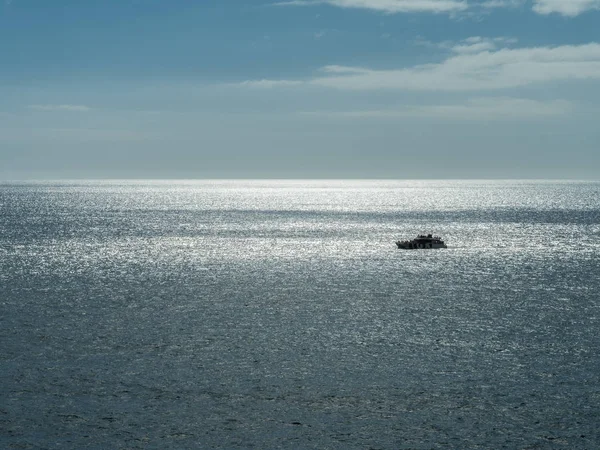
<point x="279" y="314"/>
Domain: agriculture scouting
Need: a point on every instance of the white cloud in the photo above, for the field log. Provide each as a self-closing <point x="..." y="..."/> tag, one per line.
<point x="477" y="44"/>
<point x="74" y="108"/>
<point x="570" y="8"/>
<point x="476" y="70"/>
<point x="493" y="4"/>
<point x="482" y="108"/>
<point x="474" y="44"/>
<point x="388" y="6"/>
<point x="474" y="65"/>
<point x="476" y="47"/>
<point x="344" y="69"/>
<point x="267" y="84"/>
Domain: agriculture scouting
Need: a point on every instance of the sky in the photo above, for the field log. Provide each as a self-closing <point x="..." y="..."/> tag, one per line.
<point x="400" y="89"/>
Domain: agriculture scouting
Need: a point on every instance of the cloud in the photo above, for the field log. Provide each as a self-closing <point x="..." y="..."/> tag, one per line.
<point x="472" y="70"/>
<point x="569" y="8"/>
<point x="388" y="6"/>
<point x="474" y="44"/>
<point x="478" y="44"/>
<point x="267" y="84"/>
<point x="481" y="108"/>
<point x="474" y="64"/>
<point x="494" y="4"/>
<point x="73" y="108"/>
<point x="345" y="70"/>
<point x="474" y="47"/>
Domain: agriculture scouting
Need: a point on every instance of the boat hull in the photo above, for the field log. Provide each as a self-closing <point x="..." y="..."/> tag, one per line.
<point x="421" y="242"/>
<point x="416" y="246"/>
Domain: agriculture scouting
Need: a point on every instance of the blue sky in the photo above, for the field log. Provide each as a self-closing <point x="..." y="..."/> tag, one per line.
<point x="299" y="89"/>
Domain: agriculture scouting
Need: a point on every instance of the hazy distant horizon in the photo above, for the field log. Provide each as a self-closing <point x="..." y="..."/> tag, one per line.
<point x="323" y="174"/>
<point x="290" y="179"/>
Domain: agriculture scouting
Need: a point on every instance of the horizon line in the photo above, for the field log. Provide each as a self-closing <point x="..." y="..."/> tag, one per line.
<point x="133" y="179"/>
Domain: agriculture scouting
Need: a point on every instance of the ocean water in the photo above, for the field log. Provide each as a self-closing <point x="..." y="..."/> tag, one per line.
<point x="279" y="314"/>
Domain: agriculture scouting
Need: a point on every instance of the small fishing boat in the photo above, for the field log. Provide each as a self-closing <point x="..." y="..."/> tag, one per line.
<point x="422" y="241"/>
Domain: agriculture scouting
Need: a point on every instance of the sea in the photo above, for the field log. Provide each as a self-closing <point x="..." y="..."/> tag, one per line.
<point x="279" y="314"/>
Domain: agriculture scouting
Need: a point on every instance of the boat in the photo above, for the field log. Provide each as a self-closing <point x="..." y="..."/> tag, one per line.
<point x="422" y="241"/>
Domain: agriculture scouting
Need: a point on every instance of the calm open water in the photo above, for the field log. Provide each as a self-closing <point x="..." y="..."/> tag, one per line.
<point x="279" y="314"/>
